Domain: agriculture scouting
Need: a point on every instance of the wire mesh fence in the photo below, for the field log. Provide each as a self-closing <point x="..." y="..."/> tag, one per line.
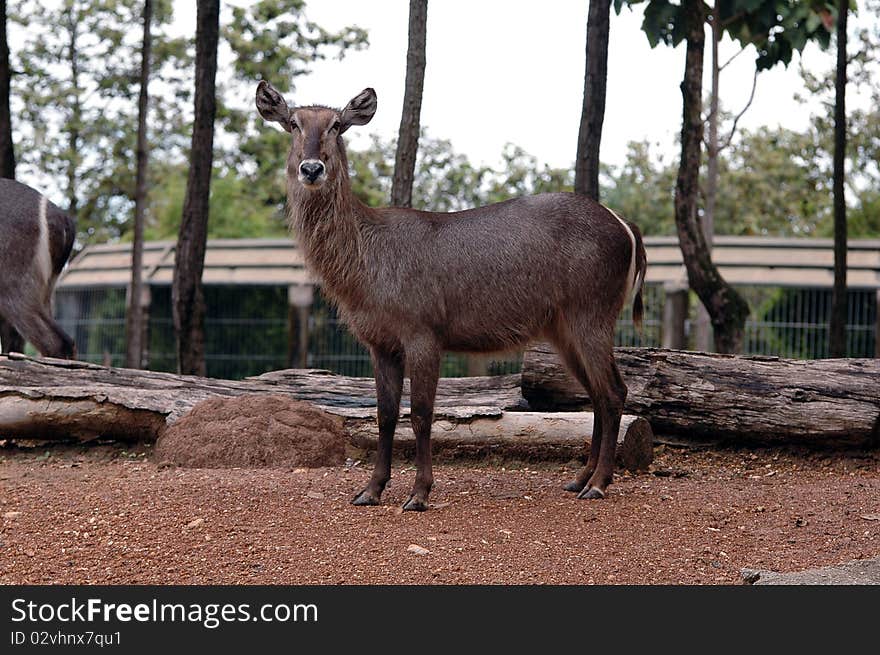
<point x="247" y="330"/>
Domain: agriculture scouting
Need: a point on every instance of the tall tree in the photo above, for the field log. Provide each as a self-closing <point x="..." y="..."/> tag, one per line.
<point x="7" y="151"/>
<point x="10" y="339"/>
<point x="703" y="333"/>
<point x="837" y="328"/>
<point x="408" y="135"/>
<point x="188" y="302"/>
<point x="777" y="28"/>
<point x="751" y="22"/>
<point x="77" y="82"/>
<point x="586" y="166"/>
<point x="134" y="326"/>
<point x="727" y="308"/>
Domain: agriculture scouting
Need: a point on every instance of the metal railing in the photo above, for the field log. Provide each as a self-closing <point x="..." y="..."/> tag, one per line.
<point x="247" y="329"/>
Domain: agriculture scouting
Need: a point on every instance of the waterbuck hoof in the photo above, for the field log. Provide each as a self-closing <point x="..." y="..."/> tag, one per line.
<point x="415" y="505"/>
<point x="592" y="493"/>
<point x="365" y="499"/>
<point x="575" y="485"/>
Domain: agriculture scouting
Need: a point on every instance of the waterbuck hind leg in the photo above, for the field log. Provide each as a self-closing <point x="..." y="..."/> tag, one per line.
<point x="424" y="363"/>
<point x="389" y="384"/>
<point x="33" y="322"/>
<point x="608" y="402"/>
<point x="577" y="485"/>
<point x="10" y="339"/>
<point x="570" y="353"/>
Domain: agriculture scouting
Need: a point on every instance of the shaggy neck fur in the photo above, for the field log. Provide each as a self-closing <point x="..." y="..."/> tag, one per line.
<point x="328" y="223"/>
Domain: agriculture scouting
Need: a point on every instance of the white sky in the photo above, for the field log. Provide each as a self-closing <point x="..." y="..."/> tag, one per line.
<point x="513" y="71"/>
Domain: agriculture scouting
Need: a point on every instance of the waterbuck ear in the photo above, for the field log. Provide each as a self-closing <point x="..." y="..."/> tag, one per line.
<point x="359" y="110"/>
<point x="272" y="105"/>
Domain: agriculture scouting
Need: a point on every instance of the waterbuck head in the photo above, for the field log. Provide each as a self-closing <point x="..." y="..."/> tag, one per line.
<point x="317" y="153"/>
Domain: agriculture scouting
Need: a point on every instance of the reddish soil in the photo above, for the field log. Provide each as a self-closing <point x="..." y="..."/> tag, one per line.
<point x="109" y="516"/>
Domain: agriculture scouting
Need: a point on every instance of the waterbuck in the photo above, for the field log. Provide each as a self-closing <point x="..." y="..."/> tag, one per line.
<point x="35" y="241"/>
<point x="411" y="284"/>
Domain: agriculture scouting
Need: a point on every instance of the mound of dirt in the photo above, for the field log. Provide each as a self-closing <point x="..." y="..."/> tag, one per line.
<point x="255" y="431"/>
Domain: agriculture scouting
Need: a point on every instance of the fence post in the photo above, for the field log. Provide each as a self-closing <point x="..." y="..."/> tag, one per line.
<point x="877" y="324"/>
<point x="478" y="364"/>
<point x="299" y="301"/>
<point x="675" y="312"/>
<point x="146" y="300"/>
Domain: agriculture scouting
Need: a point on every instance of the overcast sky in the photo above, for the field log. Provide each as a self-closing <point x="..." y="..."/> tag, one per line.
<point x="502" y="71"/>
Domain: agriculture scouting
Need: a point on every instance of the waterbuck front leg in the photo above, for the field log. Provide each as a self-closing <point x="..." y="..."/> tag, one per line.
<point x="389" y="383"/>
<point x="424" y="369"/>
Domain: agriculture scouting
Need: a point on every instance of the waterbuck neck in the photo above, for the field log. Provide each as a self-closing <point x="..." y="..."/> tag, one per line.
<point x="328" y="225"/>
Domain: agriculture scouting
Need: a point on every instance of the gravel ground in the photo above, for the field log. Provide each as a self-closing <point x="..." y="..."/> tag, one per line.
<point x="104" y="515"/>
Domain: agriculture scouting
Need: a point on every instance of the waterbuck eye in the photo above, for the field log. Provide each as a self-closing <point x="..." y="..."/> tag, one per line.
<point x="335" y="125"/>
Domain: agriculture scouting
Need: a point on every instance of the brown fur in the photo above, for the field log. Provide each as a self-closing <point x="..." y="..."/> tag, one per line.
<point x="412" y="284"/>
<point x="25" y="289"/>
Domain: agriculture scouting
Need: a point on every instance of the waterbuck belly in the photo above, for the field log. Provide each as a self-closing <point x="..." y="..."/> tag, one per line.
<point x="496" y="324"/>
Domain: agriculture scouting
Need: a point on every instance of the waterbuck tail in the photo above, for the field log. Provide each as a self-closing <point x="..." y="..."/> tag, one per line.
<point x="637" y="268"/>
<point x="641" y="267"/>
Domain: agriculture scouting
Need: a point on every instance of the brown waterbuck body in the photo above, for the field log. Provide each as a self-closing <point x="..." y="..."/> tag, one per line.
<point x="412" y="284"/>
<point x="35" y="241"/>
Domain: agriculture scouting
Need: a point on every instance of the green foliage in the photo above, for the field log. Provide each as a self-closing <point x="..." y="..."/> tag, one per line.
<point x="447" y="181"/>
<point x="76" y="90"/>
<point x="234" y="212"/>
<point x="642" y="189"/>
<point x="863" y="127"/>
<point x="777" y="28"/>
<point x="777" y="182"/>
<point x="774" y="185"/>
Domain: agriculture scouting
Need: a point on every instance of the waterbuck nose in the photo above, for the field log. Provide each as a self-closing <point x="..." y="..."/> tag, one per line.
<point x="311" y="169"/>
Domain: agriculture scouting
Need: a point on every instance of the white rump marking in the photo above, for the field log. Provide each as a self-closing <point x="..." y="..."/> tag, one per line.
<point x="632" y="261"/>
<point x="44" y="259"/>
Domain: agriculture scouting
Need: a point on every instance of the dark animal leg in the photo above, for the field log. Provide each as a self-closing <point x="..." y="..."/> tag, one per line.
<point x="573" y="362"/>
<point x="424" y="363"/>
<point x="11" y="340"/>
<point x="389" y="383"/>
<point x="610" y="406"/>
<point x="34" y="322"/>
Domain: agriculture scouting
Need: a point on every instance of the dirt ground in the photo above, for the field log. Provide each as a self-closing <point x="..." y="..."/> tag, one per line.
<point x="107" y="515"/>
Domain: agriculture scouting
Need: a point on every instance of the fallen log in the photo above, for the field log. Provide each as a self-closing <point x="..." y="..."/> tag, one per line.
<point x="771" y="400"/>
<point x="59" y="399"/>
<point x="558" y="436"/>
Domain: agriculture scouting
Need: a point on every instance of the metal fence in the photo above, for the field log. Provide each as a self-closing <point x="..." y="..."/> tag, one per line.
<point x="246" y="329"/>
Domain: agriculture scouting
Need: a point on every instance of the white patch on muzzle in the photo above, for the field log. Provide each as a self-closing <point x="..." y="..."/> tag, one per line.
<point x="318" y="181"/>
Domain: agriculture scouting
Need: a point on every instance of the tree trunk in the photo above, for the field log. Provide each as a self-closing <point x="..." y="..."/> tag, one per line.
<point x="837" y="329"/>
<point x="75" y="124"/>
<point x="53" y="399"/>
<point x="586" y="169"/>
<point x="187" y="296"/>
<point x="10" y="339"/>
<point x="770" y="400"/>
<point x="135" y="316"/>
<point x="408" y="135"/>
<point x="703" y="324"/>
<point x="727" y="309"/>
<point x="7" y="149"/>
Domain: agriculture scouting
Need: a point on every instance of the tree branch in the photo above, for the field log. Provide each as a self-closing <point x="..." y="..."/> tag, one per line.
<point x="740" y="114"/>
<point x="728" y="62"/>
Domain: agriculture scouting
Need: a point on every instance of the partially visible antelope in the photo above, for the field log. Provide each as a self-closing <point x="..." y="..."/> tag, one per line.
<point x="35" y="241"/>
<point x="411" y="284"/>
